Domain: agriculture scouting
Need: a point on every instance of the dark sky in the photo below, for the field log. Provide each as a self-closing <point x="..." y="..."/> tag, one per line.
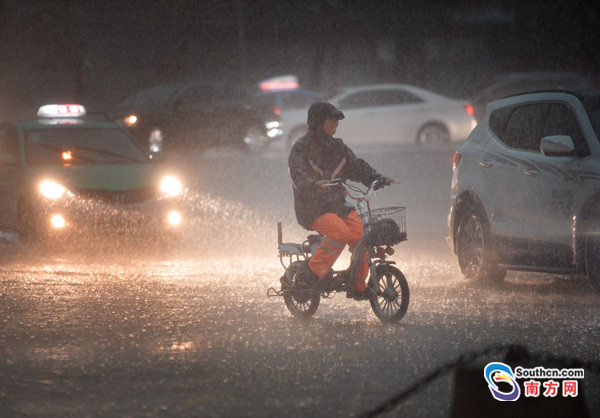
<point x="177" y="39"/>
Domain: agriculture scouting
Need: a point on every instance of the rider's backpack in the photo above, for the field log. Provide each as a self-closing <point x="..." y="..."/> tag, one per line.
<point x="385" y="232"/>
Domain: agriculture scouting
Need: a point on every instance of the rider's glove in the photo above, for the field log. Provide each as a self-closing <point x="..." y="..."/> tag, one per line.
<point x="384" y="181"/>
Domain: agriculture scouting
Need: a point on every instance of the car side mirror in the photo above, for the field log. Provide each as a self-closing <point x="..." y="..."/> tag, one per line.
<point x="7" y="159"/>
<point x="158" y="156"/>
<point x="556" y="145"/>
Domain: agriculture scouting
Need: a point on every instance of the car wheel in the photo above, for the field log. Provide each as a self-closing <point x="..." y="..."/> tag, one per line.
<point x="296" y="134"/>
<point x="433" y="135"/>
<point x="592" y="252"/>
<point x="475" y="248"/>
<point x="255" y="139"/>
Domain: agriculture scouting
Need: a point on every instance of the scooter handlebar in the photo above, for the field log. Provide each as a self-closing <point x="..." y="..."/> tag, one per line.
<point x="352" y="190"/>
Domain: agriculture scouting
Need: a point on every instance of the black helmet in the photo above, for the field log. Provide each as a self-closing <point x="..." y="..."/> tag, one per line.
<point x="319" y="112"/>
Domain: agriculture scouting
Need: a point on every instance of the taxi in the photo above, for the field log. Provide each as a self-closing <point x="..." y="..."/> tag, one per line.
<point x="68" y="172"/>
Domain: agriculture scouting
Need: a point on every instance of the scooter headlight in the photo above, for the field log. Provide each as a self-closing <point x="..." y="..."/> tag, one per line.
<point x="52" y="190"/>
<point x="171" y="186"/>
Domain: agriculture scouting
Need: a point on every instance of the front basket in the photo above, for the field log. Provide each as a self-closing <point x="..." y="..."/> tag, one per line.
<point x="385" y="226"/>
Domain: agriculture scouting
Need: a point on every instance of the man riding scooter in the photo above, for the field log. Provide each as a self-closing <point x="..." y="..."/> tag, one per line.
<point x="315" y="160"/>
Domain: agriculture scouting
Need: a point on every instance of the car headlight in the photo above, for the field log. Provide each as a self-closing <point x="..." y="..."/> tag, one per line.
<point x="174" y="218"/>
<point x="171" y="186"/>
<point x="131" y="120"/>
<point x="272" y="133"/>
<point x="51" y="189"/>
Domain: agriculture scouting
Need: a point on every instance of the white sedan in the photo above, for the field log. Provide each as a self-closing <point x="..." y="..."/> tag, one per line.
<point x="394" y="113"/>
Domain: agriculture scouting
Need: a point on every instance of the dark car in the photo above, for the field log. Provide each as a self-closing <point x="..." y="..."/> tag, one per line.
<point x="196" y="116"/>
<point x="519" y="83"/>
<point x="291" y="106"/>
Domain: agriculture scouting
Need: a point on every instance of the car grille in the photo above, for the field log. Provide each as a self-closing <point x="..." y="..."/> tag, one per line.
<point x="119" y="197"/>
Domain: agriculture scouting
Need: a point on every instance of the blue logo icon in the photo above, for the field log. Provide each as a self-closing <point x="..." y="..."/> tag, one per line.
<point x="500" y="372"/>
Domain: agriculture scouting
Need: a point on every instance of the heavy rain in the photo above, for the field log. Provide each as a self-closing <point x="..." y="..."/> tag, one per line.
<point x="106" y="321"/>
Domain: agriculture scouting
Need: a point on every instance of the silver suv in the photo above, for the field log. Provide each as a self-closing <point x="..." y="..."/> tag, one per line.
<point x="526" y="188"/>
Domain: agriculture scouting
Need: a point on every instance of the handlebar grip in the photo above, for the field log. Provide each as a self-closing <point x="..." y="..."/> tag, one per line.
<point x="381" y="183"/>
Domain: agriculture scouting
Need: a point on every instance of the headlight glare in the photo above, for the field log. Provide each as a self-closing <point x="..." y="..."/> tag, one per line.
<point x="51" y="189"/>
<point x="58" y="221"/>
<point x="174" y="218"/>
<point x="272" y="133"/>
<point x="171" y="186"/>
<point x="131" y="120"/>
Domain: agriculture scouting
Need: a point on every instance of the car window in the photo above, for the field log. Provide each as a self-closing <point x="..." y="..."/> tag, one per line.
<point x="230" y="93"/>
<point x="81" y="146"/>
<point x="591" y="103"/>
<point x="398" y="97"/>
<point x="562" y="121"/>
<point x="376" y="98"/>
<point x="193" y="96"/>
<point x="9" y="142"/>
<point x="203" y="94"/>
<point x="357" y="100"/>
<point x="498" y="119"/>
<point x="151" y="97"/>
<point x="520" y="127"/>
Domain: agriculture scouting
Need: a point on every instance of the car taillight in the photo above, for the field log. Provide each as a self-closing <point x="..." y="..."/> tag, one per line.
<point x="469" y="109"/>
<point x="455" y="160"/>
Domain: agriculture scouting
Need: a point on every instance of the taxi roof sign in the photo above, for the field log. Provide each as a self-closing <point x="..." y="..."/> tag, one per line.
<point x="286" y="82"/>
<point x="61" y="111"/>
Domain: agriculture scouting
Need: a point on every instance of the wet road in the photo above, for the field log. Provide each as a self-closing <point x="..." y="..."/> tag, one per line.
<point x="126" y="328"/>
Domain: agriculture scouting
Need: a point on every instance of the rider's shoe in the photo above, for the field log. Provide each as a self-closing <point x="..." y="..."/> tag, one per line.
<point x="357" y="294"/>
<point x="311" y="278"/>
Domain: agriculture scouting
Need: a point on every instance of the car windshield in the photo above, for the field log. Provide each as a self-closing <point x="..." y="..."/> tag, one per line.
<point x="151" y="97"/>
<point x="81" y="146"/>
<point x="591" y="103"/>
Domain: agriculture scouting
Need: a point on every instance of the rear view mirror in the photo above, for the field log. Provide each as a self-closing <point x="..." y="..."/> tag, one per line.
<point x="7" y="159"/>
<point x="557" y="145"/>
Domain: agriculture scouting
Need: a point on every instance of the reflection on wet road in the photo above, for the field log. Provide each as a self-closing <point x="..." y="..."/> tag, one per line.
<point x="131" y="328"/>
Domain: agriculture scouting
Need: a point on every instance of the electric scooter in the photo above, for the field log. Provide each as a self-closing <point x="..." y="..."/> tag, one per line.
<point x="387" y="288"/>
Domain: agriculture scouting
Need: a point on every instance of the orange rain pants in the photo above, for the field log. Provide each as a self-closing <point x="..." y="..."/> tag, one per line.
<point x="337" y="233"/>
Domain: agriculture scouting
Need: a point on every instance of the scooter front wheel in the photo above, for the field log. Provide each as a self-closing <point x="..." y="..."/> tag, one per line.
<point x="390" y="295"/>
<point x="300" y="298"/>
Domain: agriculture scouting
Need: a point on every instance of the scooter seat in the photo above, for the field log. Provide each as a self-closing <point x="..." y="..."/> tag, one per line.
<point x="290" y="248"/>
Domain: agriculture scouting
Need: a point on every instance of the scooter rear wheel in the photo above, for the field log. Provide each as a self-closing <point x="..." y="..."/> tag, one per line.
<point x="300" y="298"/>
<point x="390" y="296"/>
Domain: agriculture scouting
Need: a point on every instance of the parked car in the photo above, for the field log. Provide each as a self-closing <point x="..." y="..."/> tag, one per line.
<point x="519" y="83"/>
<point x="526" y="188"/>
<point x="393" y="113"/>
<point x="195" y="116"/>
<point x="66" y="173"/>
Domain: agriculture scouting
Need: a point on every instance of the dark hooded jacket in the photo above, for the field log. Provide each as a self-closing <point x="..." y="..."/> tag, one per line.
<point x="317" y="156"/>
